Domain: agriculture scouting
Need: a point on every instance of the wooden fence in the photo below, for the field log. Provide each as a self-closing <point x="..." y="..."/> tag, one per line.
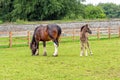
<point x="12" y="37"/>
<point x="97" y="32"/>
<point x="71" y="32"/>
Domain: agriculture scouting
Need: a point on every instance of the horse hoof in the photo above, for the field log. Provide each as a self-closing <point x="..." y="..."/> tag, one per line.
<point x="45" y="54"/>
<point x="91" y="54"/>
<point x="55" y="55"/>
<point x="37" y="54"/>
<point x="34" y="55"/>
<point x="81" y="55"/>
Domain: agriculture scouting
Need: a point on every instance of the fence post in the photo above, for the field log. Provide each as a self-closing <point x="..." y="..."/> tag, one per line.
<point x="109" y="32"/>
<point x="10" y="39"/>
<point x="119" y="31"/>
<point x="98" y="33"/>
<point x="28" y="37"/>
<point x="73" y="34"/>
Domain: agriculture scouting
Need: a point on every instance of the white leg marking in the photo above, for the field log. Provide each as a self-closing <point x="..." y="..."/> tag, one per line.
<point x="81" y="54"/>
<point x="91" y="52"/>
<point x="36" y="52"/>
<point x="56" y="50"/>
<point x="89" y="48"/>
<point x="44" y="53"/>
<point x="82" y="50"/>
<point x="86" y="53"/>
<point x="44" y="49"/>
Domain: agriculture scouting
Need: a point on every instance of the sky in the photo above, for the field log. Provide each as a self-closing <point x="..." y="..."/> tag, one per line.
<point x="95" y="2"/>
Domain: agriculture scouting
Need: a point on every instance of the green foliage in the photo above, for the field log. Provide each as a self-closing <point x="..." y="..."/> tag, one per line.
<point x="94" y="12"/>
<point x="18" y="21"/>
<point x="6" y="7"/>
<point x="38" y="10"/>
<point x="1" y="21"/>
<point x="111" y="10"/>
<point x="16" y="63"/>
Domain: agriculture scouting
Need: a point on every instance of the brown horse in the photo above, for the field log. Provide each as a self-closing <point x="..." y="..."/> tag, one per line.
<point x="45" y="33"/>
<point x="84" y="40"/>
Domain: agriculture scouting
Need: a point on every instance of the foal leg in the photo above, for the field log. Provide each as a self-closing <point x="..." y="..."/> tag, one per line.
<point x="89" y="48"/>
<point x="82" y="49"/>
<point x="86" y="53"/>
<point x="56" y="48"/>
<point x="44" y="46"/>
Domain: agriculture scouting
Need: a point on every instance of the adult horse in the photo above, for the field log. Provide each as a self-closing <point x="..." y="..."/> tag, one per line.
<point x="45" y="33"/>
<point x="84" y="40"/>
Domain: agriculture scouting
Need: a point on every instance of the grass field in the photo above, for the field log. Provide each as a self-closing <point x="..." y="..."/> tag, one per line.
<point x="16" y="63"/>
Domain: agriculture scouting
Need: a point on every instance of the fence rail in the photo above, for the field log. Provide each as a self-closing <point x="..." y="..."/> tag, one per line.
<point x="71" y="32"/>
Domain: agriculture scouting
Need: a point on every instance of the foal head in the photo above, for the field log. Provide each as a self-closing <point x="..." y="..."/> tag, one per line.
<point x="85" y="28"/>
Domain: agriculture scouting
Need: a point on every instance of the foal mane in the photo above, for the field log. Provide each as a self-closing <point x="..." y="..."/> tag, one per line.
<point x="83" y="27"/>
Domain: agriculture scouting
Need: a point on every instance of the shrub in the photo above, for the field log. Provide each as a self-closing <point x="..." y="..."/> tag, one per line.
<point x="1" y="21"/>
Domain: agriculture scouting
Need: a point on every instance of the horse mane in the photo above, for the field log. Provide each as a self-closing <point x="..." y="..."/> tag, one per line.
<point x="33" y="38"/>
<point x="83" y="27"/>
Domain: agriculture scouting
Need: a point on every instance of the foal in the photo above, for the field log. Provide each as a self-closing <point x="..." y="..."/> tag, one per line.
<point x="84" y="40"/>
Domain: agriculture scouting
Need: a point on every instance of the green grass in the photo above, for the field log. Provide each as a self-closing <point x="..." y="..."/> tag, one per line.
<point x="18" y="21"/>
<point x="16" y="63"/>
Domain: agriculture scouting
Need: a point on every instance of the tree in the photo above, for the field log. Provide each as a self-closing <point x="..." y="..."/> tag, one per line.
<point x="35" y="10"/>
<point x="74" y="8"/>
<point x="94" y="12"/>
<point x="6" y="7"/>
<point x="110" y="9"/>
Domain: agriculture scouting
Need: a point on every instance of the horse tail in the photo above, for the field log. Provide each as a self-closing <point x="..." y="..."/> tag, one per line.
<point x="59" y="30"/>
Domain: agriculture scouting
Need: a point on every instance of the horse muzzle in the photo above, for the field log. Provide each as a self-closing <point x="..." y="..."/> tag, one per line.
<point x="90" y="32"/>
